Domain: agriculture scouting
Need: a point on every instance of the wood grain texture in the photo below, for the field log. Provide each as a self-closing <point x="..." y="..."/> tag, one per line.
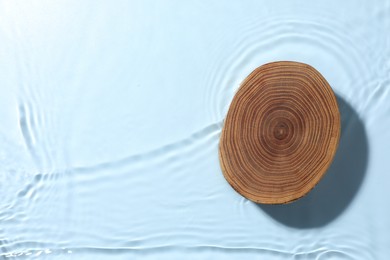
<point x="280" y="134"/>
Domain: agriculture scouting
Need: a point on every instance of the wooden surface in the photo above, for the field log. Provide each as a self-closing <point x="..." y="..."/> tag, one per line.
<point x="280" y="134"/>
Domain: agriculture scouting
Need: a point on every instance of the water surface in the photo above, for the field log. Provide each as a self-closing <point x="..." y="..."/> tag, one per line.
<point x="111" y="114"/>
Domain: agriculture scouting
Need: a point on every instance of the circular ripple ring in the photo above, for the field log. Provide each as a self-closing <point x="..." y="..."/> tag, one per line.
<point x="280" y="134"/>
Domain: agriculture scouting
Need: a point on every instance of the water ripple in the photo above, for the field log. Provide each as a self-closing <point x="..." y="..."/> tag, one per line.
<point x="261" y="37"/>
<point x="162" y="153"/>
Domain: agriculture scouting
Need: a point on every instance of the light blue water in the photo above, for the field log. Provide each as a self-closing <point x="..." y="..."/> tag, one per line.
<point x="111" y="113"/>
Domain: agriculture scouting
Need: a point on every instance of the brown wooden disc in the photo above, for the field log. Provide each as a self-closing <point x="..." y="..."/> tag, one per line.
<point x="280" y="134"/>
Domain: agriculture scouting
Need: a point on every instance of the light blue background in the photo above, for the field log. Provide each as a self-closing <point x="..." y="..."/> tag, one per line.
<point x="111" y="113"/>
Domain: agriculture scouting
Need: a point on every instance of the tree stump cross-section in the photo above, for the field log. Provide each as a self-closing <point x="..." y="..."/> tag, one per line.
<point x="280" y="134"/>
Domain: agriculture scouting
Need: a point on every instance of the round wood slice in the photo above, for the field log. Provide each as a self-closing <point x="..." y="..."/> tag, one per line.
<point x="280" y="134"/>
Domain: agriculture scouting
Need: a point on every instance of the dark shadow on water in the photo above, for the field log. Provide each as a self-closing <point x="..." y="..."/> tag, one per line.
<point x="336" y="190"/>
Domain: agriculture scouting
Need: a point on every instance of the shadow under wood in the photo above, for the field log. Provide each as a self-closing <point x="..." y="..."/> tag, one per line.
<point x="340" y="184"/>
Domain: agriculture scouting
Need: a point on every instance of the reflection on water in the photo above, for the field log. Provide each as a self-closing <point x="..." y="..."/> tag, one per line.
<point x="111" y="115"/>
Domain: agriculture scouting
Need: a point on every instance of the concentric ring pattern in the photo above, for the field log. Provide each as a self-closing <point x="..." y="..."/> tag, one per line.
<point x="280" y="134"/>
